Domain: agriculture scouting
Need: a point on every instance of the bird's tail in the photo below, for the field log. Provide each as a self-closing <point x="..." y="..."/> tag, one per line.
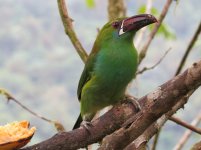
<point x="78" y="122"/>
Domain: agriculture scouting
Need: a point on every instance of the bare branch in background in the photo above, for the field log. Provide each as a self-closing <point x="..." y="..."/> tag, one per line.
<point x="187" y="133"/>
<point x="189" y="48"/>
<point x="142" y="31"/>
<point x="9" y="97"/>
<point x="156" y="137"/>
<point x="152" y="67"/>
<point x="67" y="23"/>
<point x="116" y="9"/>
<point x="30" y="111"/>
<point x="154" y="31"/>
<point x="186" y="125"/>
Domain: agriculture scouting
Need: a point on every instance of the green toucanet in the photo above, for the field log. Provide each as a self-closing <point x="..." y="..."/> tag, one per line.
<point x="111" y="65"/>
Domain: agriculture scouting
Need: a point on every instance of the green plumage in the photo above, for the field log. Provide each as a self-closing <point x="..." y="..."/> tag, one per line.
<point x="109" y="69"/>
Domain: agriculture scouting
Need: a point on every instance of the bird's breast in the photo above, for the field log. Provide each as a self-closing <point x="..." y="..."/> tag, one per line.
<point x="115" y="67"/>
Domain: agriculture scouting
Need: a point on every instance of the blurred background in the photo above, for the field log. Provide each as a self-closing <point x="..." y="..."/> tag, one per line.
<point x="41" y="69"/>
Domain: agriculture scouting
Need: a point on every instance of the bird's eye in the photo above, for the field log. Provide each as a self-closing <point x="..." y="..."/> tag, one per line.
<point x="115" y="24"/>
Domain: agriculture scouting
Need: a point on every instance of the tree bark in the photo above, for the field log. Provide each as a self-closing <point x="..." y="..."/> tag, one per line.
<point x="154" y="105"/>
<point x="160" y="101"/>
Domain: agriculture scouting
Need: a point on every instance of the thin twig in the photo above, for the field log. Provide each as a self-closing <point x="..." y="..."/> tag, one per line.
<point x="189" y="48"/>
<point x="187" y="133"/>
<point x="154" y="31"/>
<point x="156" y="64"/>
<point x="57" y="124"/>
<point x="67" y="23"/>
<point x="9" y="97"/>
<point x="142" y="31"/>
<point x="186" y="125"/>
<point x="30" y="111"/>
<point x="155" y="140"/>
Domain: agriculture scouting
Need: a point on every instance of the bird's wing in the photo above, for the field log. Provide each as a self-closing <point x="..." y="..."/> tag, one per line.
<point x="86" y="75"/>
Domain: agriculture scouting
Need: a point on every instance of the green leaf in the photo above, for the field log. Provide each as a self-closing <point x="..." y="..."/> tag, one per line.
<point x="90" y="3"/>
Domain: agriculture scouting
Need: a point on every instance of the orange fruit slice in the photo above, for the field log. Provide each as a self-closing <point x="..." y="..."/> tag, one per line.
<point x="15" y="135"/>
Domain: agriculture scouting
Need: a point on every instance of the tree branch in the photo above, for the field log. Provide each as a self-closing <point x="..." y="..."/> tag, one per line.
<point x="156" y="137"/>
<point x="190" y="46"/>
<point x="156" y="64"/>
<point x="154" y="105"/>
<point x="187" y="133"/>
<point x="154" y="31"/>
<point x="67" y="23"/>
<point x="9" y="97"/>
<point x="162" y="100"/>
<point x="181" y="65"/>
<point x="80" y="137"/>
<point x="184" y="124"/>
<point x="116" y="9"/>
<point x="156" y="126"/>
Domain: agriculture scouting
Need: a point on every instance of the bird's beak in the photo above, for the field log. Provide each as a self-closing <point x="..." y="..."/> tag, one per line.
<point x="136" y="22"/>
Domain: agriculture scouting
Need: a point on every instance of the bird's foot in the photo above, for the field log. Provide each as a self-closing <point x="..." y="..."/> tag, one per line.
<point x="87" y="125"/>
<point x="133" y="101"/>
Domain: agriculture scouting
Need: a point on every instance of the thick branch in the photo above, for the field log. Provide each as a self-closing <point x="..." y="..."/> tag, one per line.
<point x="154" y="105"/>
<point x="67" y="22"/>
<point x="156" y="126"/>
<point x="78" y="138"/>
<point x="154" y="31"/>
<point x="161" y="101"/>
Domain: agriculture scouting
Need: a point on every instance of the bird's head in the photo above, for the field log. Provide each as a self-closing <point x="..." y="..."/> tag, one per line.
<point x="123" y="28"/>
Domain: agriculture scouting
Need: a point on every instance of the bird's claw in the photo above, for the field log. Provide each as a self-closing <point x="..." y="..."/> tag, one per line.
<point x="133" y="101"/>
<point x="87" y="125"/>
